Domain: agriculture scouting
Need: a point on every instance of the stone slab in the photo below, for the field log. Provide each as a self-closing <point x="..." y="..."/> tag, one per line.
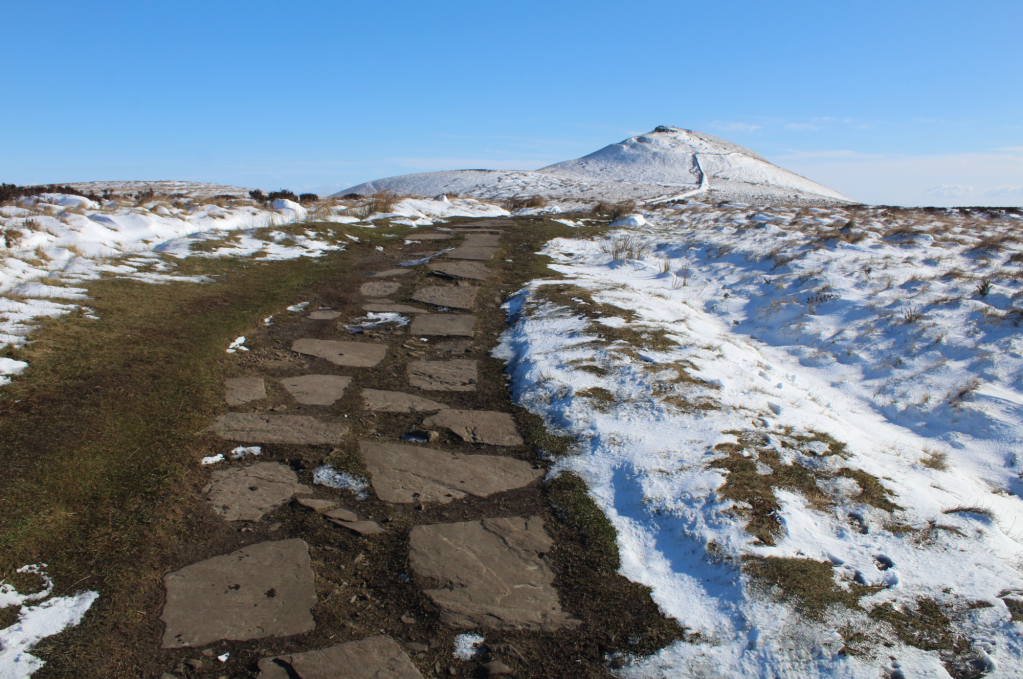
<point x="274" y="428"/>
<point x="460" y="269"/>
<point x="342" y="514"/>
<point x="248" y="493"/>
<point x="453" y="296"/>
<point x="453" y="347"/>
<point x="360" y="527"/>
<point x="478" y="426"/>
<point x="458" y="374"/>
<point x="316" y="390"/>
<point x="447" y="325"/>
<point x="481" y="240"/>
<point x="241" y="390"/>
<point x="387" y="273"/>
<point x="377" y="657"/>
<point x="412" y="474"/>
<point x="324" y="315"/>
<point x="317" y="505"/>
<point x="397" y="402"/>
<point x="263" y="590"/>
<point x="392" y="308"/>
<point x="428" y="236"/>
<point x="379" y="288"/>
<point x="480" y="254"/>
<point x="492" y="574"/>
<point x="352" y="354"/>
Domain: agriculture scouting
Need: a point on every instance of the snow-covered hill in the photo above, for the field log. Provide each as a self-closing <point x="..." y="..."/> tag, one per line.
<point x="664" y="164"/>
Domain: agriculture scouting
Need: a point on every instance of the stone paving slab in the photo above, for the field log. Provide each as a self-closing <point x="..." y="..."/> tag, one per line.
<point x="409" y="474"/>
<point x="460" y="269"/>
<point x="324" y="315"/>
<point x="492" y="574"/>
<point x="454" y="296"/>
<point x="478" y="426"/>
<point x="263" y="590"/>
<point x="241" y="390"/>
<point x="317" y="505"/>
<point x="316" y="390"/>
<point x="390" y="272"/>
<point x="479" y="254"/>
<point x="447" y="325"/>
<point x="458" y="374"/>
<point x="248" y="493"/>
<point x="481" y="240"/>
<point x="397" y="402"/>
<point x="392" y="308"/>
<point x="360" y="527"/>
<point x="428" y="236"/>
<point x="377" y="657"/>
<point x="352" y="354"/>
<point x="379" y="288"/>
<point x="274" y="428"/>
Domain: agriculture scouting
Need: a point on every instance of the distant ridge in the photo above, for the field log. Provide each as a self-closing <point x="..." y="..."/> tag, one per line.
<point x="667" y="163"/>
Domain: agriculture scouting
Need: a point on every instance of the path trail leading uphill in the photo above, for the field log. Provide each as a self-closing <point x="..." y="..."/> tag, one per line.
<point x="388" y="505"/>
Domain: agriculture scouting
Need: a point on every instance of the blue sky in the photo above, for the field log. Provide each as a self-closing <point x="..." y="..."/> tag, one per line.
<point x="901" y="103"/>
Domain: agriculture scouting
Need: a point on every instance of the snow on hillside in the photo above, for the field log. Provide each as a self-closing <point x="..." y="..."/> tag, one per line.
<point x="664" y="164"/>
<point x="50" y="240"/>
<point x="804" y="424"/>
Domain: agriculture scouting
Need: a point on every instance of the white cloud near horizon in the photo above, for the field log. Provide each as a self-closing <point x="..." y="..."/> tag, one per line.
<point x="943" y="180"/>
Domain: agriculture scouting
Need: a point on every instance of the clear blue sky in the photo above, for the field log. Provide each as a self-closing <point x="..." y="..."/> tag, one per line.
<point x="894" y="102"/>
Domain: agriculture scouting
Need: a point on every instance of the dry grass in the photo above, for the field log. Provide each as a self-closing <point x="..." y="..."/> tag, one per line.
<point x="523" y="202"/>
<point x="614" y="211"/>
<point x="624" y="248"/>
<point x="382" y="202"/>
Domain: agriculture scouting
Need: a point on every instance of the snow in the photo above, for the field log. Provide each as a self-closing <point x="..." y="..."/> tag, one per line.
<point x="787" y="329"/>
<point x="326" y="475"/>
<point x="9" y="366"/>
<point x="237" y="345"/>
<point x="36" y="622"/>
<point x="213" y="459"/>
<point x="242" y="451"/>
<point x="467" y="646"/>
<point x="667" y="163"/>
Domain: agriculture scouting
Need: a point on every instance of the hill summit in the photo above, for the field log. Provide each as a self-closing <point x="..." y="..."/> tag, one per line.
<point x="667" y="163"/>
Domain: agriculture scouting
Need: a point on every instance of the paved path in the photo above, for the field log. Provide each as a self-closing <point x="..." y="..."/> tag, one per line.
<point x="486" y="574"/>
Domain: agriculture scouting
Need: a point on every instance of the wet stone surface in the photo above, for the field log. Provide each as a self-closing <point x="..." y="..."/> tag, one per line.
<point x="455" y="375"/>
<point x="262" y="590"/>
<point x="248" y="493"/>
<point x="492" y="573"/>
<point x="351" y="354"/>
<point x="397" y="402"/>
<point x="274" y="428"/>
<point x="477" y="426"/>
<point x="377" y="657"/>
<point x="316" y="390"/>
<point x="412" y="474"/>
<point x="241" y="390"/>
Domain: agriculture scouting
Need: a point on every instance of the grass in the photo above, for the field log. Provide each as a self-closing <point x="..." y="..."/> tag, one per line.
<point x="601" y="398"/>
<point x="808" y="585"/>
<point x="755" y="492"/>
<point x="624" y="248"/>
<point x="99" y="438"/>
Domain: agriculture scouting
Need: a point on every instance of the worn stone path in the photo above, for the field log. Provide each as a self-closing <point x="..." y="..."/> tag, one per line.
<point x="489" y="573"/>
